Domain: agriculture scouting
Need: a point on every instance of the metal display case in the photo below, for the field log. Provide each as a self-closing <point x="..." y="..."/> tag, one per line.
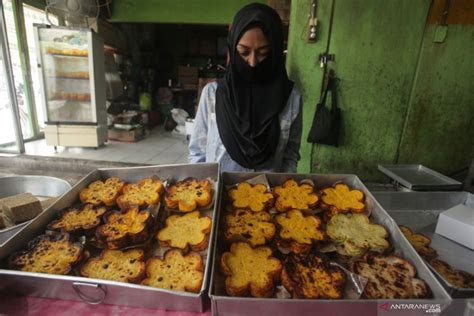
<point x="72" y="77"/>
<point x="95" y="291"/>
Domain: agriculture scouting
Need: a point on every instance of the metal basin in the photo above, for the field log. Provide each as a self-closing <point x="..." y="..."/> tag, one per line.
<point x="40" y="186"/>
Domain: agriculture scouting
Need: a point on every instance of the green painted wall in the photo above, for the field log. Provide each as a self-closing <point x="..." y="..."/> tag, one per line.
<point x="177" y="11"/>
<point x="303" y="66"/>
<point x="439" y="130"/>
<point x="394" y="87"/>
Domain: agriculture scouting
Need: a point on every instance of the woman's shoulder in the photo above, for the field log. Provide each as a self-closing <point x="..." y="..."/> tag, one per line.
<point x="210" y="88"/>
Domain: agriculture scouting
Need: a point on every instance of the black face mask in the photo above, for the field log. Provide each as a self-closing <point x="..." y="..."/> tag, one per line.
<point x="260" y="73"/>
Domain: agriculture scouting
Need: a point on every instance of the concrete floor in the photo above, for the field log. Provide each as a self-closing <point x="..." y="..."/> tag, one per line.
<point x="159" y="147"/>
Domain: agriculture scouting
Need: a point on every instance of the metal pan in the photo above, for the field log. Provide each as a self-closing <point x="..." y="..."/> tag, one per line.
<point x="40" y="186"/>
<point x="419" y="211"/>
<point x="97" y="291"/>
<point x="419" y="178"/>
<point x="225" y="305"/>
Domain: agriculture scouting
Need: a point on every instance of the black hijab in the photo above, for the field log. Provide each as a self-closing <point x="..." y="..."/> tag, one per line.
<point x="249" y="99"/>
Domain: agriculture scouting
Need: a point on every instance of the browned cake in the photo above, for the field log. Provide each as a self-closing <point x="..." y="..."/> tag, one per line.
<point x="189" y="230"/>
<point x="99" y="192"/>
<point x="250" y="271"/>
<point x="355" y="234"/>
<point x="252" y="197"/>
<point x="188" y="195"/>
<point x="145" y="192"/>
<point x="389" y="277"/>
<point x="292" y="195"/>
<point x="310" y="276"/>
<point x="298" y="231"/>
<point x="255" y="227"/>
<point x="126" y="228"/>
<point x="116" y="265"/>
<point x="48" y="254"/>
<point x="341" y="199"/>
<point x="175" y="271"/>
<point x="458" y="278"/>
<point x="420" y="242"/>
<point x="82" y="220"/>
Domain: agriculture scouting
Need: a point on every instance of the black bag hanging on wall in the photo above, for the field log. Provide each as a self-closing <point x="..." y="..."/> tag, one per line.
<point x="326" y="122"/>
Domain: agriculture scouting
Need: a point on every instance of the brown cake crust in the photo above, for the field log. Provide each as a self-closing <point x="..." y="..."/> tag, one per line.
<point x="354" y="234"/>
<point x="77" y="221"/>
<point x="250" y="271"/>
<point x="188" y="195"/>
<point x="186" y="231"/>
<point x="255" y="227"/>
<point x="389" y="277"/>
<point x="125" y="228"/>
<point x="458" y="278"/>
<point x="175" y="271"/>
<point x="123" y="266"/>
<point x="146" y="192"/>
<point x="311" y="276"/>
<point x="420" y="242"/>
<point x="48" y="254"/>
<point x="99" y="192"/>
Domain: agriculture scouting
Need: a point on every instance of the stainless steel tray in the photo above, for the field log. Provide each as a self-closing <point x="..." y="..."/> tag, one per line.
<point x="419" y="211"/>
<point x="419" y="177"/>
<point x="225" y="305"/>
<point x="40" y="186"/>
<point x="101" y="291"/>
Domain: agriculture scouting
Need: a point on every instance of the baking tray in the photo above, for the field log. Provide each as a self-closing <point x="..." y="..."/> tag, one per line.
<point x="102" y="291"/>
<point x="226" y="305"/>
<point x="419" y="211"/>
<point x="40" y="186"/>
<point x="419" y="177"/>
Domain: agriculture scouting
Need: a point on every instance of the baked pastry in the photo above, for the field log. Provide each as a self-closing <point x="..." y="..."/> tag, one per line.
<point x="310" y="276"/>
<point x="102" y="192"/>
<point x="252" y="197"/>
<point x="355" y="234"/>
<point x="175" y="271"/>
<point x="48" y="254"/>
<point x="183" y="231"/>
<point x="292" y="195"/>
<point x="297" y="231"/>
<point x="458" y="278"/>
<point x="254" y="227"/>
<point x="145" y="192"/>
<point x="389" y="277"/>
<point x="341" y="199"/>
<point x="189" y="194"/>
<point x="83" y="220"/>
<point x="126" y="228"/>
<point x="420" y="242"/>
<point x="250" y="271"/>
<point x="116" y="265"/>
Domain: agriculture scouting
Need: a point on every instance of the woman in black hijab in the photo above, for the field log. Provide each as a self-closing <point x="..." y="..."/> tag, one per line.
<point x="254" y="108"/>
